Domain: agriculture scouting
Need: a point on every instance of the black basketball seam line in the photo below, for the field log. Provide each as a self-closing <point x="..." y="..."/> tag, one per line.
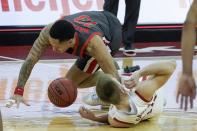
<point x="57" y="101"/>
<point x="57" y="83"/>
<point x="57" y="95"/>
<point x="54" y="98"/>
<point x="66" y="91"/>
<point x="51" y="97"/>
<point x="69" y="98"/>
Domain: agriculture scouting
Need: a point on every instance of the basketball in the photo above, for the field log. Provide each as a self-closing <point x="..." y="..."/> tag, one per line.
<point x="62" y="92"/>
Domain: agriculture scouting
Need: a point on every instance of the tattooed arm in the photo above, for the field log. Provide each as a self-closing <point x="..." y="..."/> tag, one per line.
<point x="39" y="46"/>
<point x="34" y="55"/>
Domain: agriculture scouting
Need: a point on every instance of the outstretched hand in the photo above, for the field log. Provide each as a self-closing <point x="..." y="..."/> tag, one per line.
<point x="16" y="99"/>
<point x="186" y="91"/>
<point x="85" y="113"/>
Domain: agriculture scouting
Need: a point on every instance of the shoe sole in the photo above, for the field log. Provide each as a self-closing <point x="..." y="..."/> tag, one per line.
<point x="129" y="53"/>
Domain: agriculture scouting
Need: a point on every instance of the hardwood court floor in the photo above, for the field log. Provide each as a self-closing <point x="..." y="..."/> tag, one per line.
<point x="43" y="116"/>
<point x="145" y="49"/>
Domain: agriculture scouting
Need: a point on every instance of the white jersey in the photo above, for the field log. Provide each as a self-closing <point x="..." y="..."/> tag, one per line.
<point x="140" y="110"/>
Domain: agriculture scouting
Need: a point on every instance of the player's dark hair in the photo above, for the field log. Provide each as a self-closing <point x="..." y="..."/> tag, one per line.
<point x="107" y="89"/>
<point x="62" y="30"/>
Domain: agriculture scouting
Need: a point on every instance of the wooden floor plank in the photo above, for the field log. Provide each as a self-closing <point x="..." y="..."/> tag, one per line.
<point x="43" y="116"/>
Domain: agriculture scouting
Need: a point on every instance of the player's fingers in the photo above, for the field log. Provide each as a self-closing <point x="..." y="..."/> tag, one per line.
<point x="127" y="82"/>
<point x="182" y="97"/>
<point x="191" y="102"/>
<point x="24" y="102"/>
<point x="84" y="110"/>
<point x="81" y="112"/>
<point x="126" y="85"/>
<point x="80" y="108"/>
<point x="10" y="103"/>
<point x="177" y="97"/>
<point x="186" y="102"/>
<point x="194" y="94"/>
<point x="131" y="85"/>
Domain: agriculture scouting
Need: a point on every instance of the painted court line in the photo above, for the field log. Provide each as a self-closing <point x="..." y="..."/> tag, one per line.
<point x="20" y="60"/>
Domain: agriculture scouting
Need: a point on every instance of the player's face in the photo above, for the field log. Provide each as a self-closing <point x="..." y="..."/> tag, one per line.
<point x="62" y="46"/>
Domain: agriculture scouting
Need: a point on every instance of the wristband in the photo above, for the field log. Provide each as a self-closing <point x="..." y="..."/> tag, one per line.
<point x="19" y="91"/>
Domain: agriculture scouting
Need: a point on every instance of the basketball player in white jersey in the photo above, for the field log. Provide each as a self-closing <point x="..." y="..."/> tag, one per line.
<point x="140" y="103"/>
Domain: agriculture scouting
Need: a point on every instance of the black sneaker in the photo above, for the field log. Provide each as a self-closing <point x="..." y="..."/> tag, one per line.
<point x="129" y="51"/>
<point x="129" y="47"/>
<point x="131" y="69"/>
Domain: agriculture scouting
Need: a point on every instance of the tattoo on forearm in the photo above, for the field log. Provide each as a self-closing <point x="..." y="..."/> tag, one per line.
<point x="25" y="72"/>
<point x="28" y="65"/>
<point x="34" y="55"/>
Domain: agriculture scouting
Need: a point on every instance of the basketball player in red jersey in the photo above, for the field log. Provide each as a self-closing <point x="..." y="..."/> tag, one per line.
<point x="93" y="36"/>
<point x="186" y="92"/>
<point x="142" y="102"/>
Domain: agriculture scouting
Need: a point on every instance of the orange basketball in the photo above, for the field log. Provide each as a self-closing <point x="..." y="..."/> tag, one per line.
<point x="62" y="92"/>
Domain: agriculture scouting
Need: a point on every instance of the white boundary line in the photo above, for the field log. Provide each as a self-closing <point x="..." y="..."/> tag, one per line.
<point x="15" y="60"/>
<point x="72" y="60"/>
<point x="20" y="61"/>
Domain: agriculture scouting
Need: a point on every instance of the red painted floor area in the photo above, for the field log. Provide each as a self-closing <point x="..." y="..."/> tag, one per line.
<point x="143" y="50"/>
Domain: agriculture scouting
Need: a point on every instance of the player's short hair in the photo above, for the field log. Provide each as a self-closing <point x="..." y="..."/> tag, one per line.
<point x="62" y="30"/>
<point x="107" y="89"/>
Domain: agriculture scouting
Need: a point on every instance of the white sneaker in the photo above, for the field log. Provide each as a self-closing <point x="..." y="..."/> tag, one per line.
<point x="93" y="100"/>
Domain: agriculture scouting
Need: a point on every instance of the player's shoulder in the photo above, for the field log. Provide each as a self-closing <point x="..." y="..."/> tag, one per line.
<point x="44" y="34"/>
<point x="95" y="41"/>
<point x="46" y="28"/>
<point x="43" y="38"/>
